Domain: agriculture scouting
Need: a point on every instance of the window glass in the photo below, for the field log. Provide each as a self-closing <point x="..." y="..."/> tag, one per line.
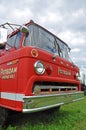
<point x="42" y="39"/>
<point x="14" y="41"/>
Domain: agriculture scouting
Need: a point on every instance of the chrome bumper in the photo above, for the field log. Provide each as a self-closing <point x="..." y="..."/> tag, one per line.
<point x="43" y="102"/>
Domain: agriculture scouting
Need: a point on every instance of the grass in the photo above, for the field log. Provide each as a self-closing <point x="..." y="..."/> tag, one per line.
<point x="70" y="117"/>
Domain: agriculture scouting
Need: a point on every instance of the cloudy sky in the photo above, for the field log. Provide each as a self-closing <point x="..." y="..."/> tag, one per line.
<point x="65" y="18"/>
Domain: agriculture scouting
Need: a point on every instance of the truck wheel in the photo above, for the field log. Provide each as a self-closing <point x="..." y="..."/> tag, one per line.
<point x="3" y="116"/>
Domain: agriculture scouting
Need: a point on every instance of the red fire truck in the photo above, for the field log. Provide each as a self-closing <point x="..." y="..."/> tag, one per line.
<point x="36" y="72"/>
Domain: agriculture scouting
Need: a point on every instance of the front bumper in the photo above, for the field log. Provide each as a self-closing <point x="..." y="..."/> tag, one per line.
<point x="43" y="102"/>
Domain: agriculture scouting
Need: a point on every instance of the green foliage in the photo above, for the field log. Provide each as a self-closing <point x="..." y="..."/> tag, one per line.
<point x="70" y="117"/>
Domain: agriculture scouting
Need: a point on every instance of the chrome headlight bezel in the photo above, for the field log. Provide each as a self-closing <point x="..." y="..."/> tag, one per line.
<point x="39" y="67"/>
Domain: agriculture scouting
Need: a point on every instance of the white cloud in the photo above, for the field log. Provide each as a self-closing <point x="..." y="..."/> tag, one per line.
<point x="2" y="8"/>
<point x="66" y="18"/>
<point x="75" y="50"/>
<point x="51" y="17"/>
<point x="74" y="39"/>
<point x="79" y="13"/>
<point x="54" y="17"/>
<point x="21" y="15"/>
<point x="66" y="36"/>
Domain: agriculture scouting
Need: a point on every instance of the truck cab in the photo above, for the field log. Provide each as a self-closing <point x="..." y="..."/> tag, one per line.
<point x="36" y="72"/>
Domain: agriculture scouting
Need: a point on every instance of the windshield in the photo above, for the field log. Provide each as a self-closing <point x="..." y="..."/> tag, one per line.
<point x="14" y="41"/>
<point x="41" y="38"/>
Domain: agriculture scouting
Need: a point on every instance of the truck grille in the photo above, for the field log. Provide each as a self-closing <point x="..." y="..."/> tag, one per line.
<point x="53" y="88"/>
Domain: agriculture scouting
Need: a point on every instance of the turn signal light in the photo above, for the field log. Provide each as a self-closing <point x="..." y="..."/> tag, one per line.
<point x="48" y="69"/>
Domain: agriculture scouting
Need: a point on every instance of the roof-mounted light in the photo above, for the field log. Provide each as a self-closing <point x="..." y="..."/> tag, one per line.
<point x="24" y="29"/>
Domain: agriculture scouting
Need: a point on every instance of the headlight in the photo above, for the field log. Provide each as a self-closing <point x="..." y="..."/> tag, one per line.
<point x="78" y="76"/>
<point x="39" y="67"/>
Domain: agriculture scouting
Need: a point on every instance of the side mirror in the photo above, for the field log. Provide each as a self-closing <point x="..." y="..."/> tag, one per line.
<point x="25" y="30"/>
<point x="3" y="37"/>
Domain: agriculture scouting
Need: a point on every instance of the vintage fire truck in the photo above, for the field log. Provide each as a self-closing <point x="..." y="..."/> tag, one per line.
<point x="36" y="72"/>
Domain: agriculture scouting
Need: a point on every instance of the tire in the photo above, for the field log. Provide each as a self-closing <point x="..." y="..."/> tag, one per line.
<point x="3" y="116"/>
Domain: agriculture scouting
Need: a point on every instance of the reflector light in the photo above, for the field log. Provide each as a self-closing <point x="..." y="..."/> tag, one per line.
<point x="34" y="53"/>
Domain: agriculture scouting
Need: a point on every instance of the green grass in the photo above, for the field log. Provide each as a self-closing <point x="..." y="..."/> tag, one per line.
<point x="70" y="117"/>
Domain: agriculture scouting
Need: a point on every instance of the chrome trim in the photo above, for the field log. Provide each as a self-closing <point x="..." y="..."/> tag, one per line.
<point x="43" y="102"/>
<point x="42" y="108"/>
<point x="78" y="99"/>
<point x="50" y="95"/>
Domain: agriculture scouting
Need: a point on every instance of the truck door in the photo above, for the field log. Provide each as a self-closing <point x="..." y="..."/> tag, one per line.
<point x="9" y="72"/>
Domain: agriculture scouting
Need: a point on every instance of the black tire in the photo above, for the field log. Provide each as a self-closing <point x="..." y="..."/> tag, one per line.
<point x="3" y="116"/>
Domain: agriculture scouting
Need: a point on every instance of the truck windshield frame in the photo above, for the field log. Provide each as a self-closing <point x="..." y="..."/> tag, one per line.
<point x="43" y="39"/>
